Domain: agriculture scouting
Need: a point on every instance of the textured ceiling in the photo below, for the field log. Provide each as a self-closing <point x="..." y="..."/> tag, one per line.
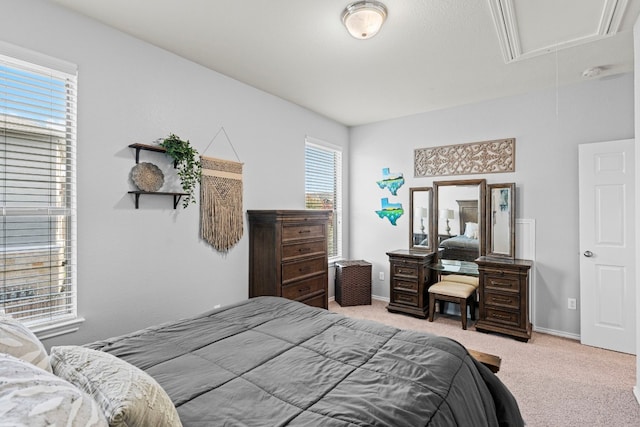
<point x="430" y="54"/>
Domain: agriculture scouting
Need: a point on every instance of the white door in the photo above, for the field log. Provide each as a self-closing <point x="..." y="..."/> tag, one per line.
<point x="607" y="248"/>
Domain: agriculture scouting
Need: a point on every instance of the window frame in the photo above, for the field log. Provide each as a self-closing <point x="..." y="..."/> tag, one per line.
<point x="337" y="224"/>
<point x="18" y="58"/>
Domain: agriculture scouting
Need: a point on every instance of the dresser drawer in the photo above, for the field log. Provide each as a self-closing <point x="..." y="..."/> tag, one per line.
<point x="404" y="298"/>
<point x="302" y="231"/>
<point x="297" y="269"/>
<point x="502" y="300"/>
<point x="503" y="316"/>
<point x="405" y="285"/>
<point x="301" y="289"/>
<point x="503" y="282"/>
<point x="316" y="301"/>
<point x="303" y="249"/>
<point x="404" y="269"/>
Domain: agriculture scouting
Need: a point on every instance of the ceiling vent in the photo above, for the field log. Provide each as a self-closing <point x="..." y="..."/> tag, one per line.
<point x="530" y="28"/>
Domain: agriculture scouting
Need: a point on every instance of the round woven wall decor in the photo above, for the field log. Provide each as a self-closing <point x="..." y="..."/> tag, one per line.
<point x="147" y="176"/>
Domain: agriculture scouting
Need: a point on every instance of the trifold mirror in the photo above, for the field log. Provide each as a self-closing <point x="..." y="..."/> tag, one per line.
<point x="421" y="226"/>
<point x="459" y="219"/>
<point x="501" y="220"/>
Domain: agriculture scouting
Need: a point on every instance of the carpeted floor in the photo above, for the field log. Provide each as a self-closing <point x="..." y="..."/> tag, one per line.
<point x="557" y="381"/>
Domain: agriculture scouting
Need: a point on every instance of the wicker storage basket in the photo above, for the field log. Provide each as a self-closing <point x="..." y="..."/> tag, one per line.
<point x="353" y="283"/>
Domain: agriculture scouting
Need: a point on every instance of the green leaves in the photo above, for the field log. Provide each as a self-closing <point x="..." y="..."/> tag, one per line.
<point x="187" y="162"/>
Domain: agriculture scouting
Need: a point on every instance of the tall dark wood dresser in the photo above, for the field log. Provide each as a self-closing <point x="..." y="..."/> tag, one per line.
<point x="288" y="255"/>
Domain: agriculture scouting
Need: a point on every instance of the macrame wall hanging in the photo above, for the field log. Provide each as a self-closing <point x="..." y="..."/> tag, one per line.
<point x="221" y="214"/>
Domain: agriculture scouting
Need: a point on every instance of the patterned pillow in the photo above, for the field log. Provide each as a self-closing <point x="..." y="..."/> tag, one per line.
<point x="30" y="396"/>
<point x="18" y="341"/>
<point x="127" y="395"/>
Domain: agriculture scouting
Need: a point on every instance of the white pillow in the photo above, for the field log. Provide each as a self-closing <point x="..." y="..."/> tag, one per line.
<point x="471" y="230"/>
<point x="127" y="395"/>
<point x="18" y="341"/>
<point x="30" y="396"/>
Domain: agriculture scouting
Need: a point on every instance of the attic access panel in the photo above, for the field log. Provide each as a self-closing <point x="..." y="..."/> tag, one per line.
<point x="530" y="28"/>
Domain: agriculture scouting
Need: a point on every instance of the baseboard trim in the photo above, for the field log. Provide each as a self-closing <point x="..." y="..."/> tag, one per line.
<point x="557" y="333"/>
<point x="562" y="334"/>
<point x="376" y="297"/>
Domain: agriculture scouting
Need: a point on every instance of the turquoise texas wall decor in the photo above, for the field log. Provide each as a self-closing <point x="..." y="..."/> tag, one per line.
<point x="392" y="181"/>
<point x="391" y="211"/>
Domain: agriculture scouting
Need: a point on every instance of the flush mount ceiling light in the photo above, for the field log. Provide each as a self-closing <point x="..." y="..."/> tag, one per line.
<point x="592" y="72"/>
<point x="363" y="19"/>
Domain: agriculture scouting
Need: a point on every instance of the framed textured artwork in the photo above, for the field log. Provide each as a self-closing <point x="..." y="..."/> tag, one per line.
<point x="466" y="159"/>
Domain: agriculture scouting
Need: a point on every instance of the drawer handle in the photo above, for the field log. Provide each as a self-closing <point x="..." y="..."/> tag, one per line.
<point x="304" y="290"/>
<point x="304" y="250"/>
<point x="304" y="269"/>
<point x="500" y="299"/>
<point x="404" y="298"/>
<point x="500" y="316"/>
<point x="304" y="231"/>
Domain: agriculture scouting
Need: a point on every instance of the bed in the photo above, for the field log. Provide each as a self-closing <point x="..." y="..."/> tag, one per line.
<point x="266" y="361"/>
<point x="466" y="245"/>
<point x="269" y="361"/>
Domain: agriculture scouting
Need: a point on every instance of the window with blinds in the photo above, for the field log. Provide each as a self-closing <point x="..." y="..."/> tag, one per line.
<point x="323" y="188"/>
<point x="37" y="191"/>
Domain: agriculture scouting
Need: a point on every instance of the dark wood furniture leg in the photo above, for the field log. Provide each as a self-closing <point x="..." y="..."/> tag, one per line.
<point x="489" y="360"/>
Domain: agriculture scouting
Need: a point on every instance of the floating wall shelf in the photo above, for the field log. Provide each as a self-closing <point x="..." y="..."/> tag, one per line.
<point x="176" y="196"/>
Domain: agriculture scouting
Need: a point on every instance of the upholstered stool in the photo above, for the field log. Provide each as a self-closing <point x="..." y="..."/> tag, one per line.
<point x="458" y="289"/>
<point x="459" y="278"/>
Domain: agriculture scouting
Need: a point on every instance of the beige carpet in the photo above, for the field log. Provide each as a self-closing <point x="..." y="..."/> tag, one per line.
<point x="557" y="381"/>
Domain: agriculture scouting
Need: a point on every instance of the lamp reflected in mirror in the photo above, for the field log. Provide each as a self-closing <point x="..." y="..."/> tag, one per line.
<point x="424" y="214"/>
<point x="447" y="214"/>
<point x="421" y="226"/>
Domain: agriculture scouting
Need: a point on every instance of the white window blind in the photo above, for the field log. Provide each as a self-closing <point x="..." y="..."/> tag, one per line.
<point x="37" y="192"/>
<point x="323" y="188"/>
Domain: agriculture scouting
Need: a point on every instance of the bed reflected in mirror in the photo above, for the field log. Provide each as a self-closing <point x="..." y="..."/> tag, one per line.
<point x="421" y="226"/>
<point x="460" y="223"/>
<point x="501" y="220"/>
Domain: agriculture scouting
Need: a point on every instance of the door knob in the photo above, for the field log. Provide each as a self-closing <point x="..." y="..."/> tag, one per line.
<point x="588" y="254"/>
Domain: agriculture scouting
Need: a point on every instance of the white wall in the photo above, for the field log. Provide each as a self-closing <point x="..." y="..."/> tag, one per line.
<point x="145" y="266"/>
<point x="548" y="126"/>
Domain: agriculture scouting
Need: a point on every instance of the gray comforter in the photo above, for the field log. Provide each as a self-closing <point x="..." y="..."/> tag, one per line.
<point x="271" y="362"/>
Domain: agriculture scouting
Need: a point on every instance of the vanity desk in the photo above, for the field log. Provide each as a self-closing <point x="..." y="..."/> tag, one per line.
<point x="479" y="242"/>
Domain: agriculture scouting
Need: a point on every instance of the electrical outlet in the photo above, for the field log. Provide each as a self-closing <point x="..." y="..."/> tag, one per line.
<point x="571" y="303"/>
<point x="381" y="275"/>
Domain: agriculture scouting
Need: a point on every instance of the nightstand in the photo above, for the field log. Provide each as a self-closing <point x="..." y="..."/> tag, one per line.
<point x="443" y="237"/>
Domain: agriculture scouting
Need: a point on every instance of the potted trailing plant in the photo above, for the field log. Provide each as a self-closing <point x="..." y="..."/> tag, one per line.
<point x="187" y="162"/>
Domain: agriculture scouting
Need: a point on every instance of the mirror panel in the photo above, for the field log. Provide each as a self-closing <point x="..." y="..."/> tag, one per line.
<point x="421" y="225"/>
<point x="459" y="219"/>
<point x="501" y="220"/>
